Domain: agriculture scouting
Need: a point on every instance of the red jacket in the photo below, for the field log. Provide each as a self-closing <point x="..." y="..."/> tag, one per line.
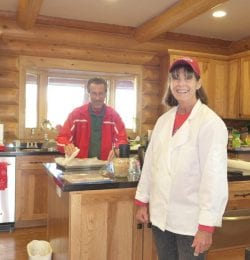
<point x="77" y="129"/>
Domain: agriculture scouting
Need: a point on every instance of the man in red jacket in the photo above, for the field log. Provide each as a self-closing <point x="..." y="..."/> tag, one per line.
<point x="95" y="128"/>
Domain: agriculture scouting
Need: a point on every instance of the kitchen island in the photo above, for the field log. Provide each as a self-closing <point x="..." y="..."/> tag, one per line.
<point x="95" y="220"/>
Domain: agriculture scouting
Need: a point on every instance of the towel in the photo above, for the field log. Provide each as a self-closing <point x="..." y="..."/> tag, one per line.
<point x="3" y="175"/>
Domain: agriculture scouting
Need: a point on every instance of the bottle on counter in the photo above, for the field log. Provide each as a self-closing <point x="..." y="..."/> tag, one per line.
<point x="134" y="168"/>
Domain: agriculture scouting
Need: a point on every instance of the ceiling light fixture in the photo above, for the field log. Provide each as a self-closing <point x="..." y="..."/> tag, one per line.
<point x="219" y="14"/>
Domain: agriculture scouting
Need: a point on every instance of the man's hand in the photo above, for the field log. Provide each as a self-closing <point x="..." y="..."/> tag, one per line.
<point x="202" y="242"/>
<point x="113" y="153"/>
<point x="142" y="214"/>
<point x="69" y="149"/>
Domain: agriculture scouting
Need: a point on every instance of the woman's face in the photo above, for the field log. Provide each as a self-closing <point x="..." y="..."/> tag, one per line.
<point x="183" y="85"/>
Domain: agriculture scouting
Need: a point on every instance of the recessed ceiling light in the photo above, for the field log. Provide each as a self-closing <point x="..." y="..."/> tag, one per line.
<point x="219" y="14"/>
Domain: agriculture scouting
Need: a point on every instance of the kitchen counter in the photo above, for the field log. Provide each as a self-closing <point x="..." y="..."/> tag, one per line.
<point x="240" y="150"/>
<point x="236" y="177"/>
<point x="16" y="152"/>
<point x="115" y="183"/>
<point x="66" y="186"/>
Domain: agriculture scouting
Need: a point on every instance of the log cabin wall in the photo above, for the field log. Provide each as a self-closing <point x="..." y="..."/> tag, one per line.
<point x="102" y="44"/>
<point x="9" y="95"/>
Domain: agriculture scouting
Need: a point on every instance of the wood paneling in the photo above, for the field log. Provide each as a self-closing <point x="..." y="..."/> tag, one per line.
<point x="8" y="96"/>
<point x="8" y="62"/>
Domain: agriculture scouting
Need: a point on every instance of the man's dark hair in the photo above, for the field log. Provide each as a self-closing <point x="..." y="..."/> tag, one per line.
<point x="98" y="81"/>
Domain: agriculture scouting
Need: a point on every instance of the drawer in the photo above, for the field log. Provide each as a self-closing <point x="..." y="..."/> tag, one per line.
<point x="33" y="162"/>
<point x="239" y="195"/>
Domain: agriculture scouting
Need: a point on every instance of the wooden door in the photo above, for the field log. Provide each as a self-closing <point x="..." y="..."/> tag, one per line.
<point x="218" y="86"/>
<point x="233" y="89"/>
<point x="245" y="88"/>
<point x="31" y="190"/>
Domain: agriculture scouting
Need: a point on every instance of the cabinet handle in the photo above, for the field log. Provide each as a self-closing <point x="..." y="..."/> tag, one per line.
<point x="149" y="225"/>
<point x="242" y="195"/>
<point x="236" y="218"/>
<point x="35" y="162"/>
<point x="139" y="226"/>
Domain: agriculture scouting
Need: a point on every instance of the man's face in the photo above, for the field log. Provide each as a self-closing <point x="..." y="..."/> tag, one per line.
<point x="97" y="95"/>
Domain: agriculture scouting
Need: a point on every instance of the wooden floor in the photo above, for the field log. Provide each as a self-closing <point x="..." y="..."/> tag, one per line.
<point x="13" y="244"/>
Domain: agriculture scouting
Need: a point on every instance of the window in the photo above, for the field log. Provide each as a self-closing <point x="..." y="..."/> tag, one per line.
<point x="63" y="95"/>
<point x="126" y="106"/>
<point x="31" y="98"/>
<point x="52" y="95"/>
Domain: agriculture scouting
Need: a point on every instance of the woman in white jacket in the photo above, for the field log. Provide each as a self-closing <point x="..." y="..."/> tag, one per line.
<point x="183" y="188"/>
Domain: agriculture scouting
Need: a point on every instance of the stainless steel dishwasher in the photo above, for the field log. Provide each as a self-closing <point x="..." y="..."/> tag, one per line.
<point x="7" y="196"/>
<point x="235" y="229"/>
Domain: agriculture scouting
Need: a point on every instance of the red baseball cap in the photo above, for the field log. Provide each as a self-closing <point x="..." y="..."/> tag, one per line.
<point x="189" y="61"/>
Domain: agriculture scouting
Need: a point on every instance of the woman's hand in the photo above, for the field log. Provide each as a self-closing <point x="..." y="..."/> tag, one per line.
<point x="142" y="214"/>
<point x="202" y="242"/>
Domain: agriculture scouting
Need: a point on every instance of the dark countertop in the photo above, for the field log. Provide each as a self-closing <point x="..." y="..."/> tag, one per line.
<point x="16" y="152"/>
<point x="238" y="150"/>
<point x="114" y="183"/>
<point x="236" y="177"/>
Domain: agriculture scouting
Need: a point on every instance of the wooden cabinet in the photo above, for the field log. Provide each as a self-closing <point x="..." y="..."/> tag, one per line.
<point x="96" y="224"/>
<point x="31" y="190"/>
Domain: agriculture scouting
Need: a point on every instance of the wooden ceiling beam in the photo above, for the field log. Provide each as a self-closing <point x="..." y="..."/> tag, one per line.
<point x="27" y="13"/>
<point x="181" y="12"/>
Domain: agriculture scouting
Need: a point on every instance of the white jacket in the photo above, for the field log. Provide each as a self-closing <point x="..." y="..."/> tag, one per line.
<point x="184" y="176"/>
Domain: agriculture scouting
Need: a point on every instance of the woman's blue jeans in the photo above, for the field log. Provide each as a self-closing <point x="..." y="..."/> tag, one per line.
<point x="171" y="246"/>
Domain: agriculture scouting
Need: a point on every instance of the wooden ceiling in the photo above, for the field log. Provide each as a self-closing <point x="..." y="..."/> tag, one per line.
<point x="182" y="11"/>
<point x="157" y="28"/>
